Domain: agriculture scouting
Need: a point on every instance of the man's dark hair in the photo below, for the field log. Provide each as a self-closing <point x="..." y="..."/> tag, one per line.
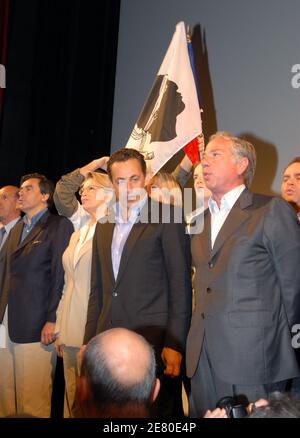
<point x="108" y="393"/>
<point x="294" y="160"/>
<point x="281" y="405"/>
<point x="123" y="155"/>
<point x="46" y="186"/>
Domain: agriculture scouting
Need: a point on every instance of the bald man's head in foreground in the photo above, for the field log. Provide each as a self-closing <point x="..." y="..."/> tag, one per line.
<point x="117" y="376"/>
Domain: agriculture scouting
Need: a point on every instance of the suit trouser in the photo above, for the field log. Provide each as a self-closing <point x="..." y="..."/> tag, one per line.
<point x="207" y="388"/>
<point x="28" y="378"/>
<point x="295" y="382"/>
<point x="7" y="378"/>
<point x="70" y="374"/>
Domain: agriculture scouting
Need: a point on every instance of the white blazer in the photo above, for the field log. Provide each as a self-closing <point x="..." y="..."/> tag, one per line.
<point x="72" y="310"/>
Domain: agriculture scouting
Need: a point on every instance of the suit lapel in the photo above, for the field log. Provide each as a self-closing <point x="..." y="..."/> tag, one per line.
<point x="33" y="235"/>
<point x="204" y="238"/>
<point x="72" y="246"/>
<point x="87" y="245"/>
<point x="132" y="238"/>
<point x="3" y="249"/>
<point x="15" y="235"/>
<point x="207" y="225"/>
<point x="135" y="233"/>
<point x="104" y="240"/>
<point x="233" y="221"/>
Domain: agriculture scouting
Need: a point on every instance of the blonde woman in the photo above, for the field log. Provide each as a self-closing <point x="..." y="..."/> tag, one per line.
<point x="95" y="191"/>
<point x="163" y="187"/>
<point x="166" y="187"/>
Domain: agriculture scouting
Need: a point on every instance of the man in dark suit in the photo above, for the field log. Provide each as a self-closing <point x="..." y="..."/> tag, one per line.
<point x="290" y="184"/>
<point x="290" y="191"/>
<point x="247" y="284"/>
<point x="141" y="271"/>
<point x="32" y="290"/>
<point x="9" y="216"/>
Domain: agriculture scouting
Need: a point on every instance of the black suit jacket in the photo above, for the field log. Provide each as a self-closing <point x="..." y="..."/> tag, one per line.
<point x="152" y="293"/>
<point x="34" y="276"/>
<point x="248" y="292"/>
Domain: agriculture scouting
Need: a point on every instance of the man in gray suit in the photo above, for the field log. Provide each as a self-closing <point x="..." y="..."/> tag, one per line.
<point x="247" y="284"/>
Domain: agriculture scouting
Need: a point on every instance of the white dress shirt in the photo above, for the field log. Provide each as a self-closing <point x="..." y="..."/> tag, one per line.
<point x="219" y="215"/>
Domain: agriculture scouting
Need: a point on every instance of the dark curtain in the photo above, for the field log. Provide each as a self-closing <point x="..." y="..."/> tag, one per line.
<point x="4" y="8"/>
<point x="60" y="76"/>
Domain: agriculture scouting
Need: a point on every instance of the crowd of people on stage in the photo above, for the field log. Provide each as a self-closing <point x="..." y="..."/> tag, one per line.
<point x="140" y="300"/>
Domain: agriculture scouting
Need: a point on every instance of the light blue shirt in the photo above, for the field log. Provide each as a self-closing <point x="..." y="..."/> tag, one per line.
<point x="28" y="226"/>
<point x="121" y="232"/>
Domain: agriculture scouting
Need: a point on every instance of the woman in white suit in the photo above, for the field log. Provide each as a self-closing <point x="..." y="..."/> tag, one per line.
<point x="96" y="192"/>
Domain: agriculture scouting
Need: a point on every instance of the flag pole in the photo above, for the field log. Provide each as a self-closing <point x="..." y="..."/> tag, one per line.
<point x="200" y="137"/>
<point x="170" y="117"/>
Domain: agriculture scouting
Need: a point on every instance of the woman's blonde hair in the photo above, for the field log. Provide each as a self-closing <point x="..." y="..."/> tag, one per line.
<point x="101" y="179"/>
<point x="171" y="190"/>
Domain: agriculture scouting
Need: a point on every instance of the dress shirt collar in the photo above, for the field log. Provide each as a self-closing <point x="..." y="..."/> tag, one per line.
<point x="34" y="218"/>
<point x="227" y="201"/>
<point x="133" y="212"/>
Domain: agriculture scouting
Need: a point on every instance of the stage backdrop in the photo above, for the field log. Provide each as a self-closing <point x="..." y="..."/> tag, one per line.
<point x="60" y="75"/>
<point x="248" y="61"/>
